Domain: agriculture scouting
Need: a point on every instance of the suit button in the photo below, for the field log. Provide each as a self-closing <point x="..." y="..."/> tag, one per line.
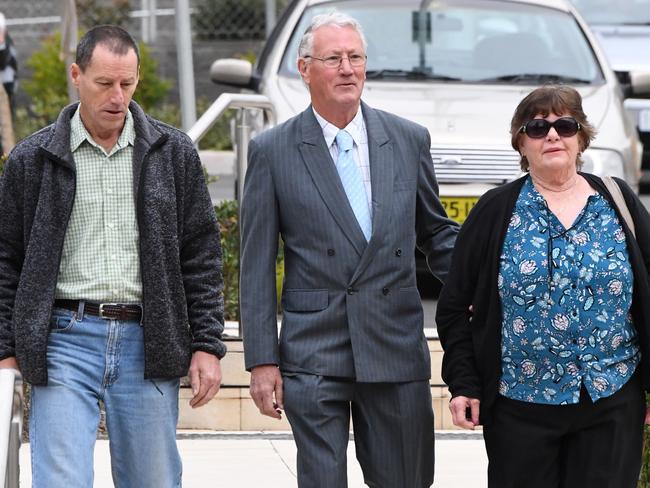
<point x="398" y="252"/>
<point x="351" y="291"/>
<point x="385" y="290"/>
<point x="331" y="252"/>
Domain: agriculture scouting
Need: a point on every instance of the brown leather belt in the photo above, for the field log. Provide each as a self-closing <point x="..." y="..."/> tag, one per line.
<point x="109" y="311"/>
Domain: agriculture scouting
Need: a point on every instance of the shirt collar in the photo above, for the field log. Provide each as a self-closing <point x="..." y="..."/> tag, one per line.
<point x="79" y="133"/>
<point x="536" y="197"/>
<point x="356" y="128"/>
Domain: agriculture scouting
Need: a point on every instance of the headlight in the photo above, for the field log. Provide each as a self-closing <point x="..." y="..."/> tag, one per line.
<point x="603" y="162"/>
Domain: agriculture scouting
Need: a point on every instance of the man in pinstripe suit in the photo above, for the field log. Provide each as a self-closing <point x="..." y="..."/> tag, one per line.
<point x="352" y="332"/>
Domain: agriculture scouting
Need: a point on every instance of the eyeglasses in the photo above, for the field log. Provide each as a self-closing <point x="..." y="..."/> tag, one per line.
<point x="335" y="60"/>
<point x="538" y="128"/>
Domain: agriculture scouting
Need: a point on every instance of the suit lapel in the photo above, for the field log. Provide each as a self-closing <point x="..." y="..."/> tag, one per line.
<point x="380" y="152"/>
<point x="319" y="163"/>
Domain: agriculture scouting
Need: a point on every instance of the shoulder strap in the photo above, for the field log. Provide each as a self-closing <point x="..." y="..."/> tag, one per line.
<point x="619" y="201"/>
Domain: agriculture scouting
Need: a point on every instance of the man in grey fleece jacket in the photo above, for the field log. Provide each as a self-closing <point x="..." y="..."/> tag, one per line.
<point x="110" y="277"/>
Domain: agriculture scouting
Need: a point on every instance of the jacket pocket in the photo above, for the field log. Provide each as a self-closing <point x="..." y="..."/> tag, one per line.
<point x="305" y="300"/>
<point x="410" y="301"/>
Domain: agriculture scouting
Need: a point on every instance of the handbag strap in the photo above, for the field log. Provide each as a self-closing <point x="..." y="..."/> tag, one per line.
<point x="619" y="201"/>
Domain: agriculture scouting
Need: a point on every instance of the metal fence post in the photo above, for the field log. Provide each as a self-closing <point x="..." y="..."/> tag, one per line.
<point x="10" y="426"/>
<point x="269" y="11"/>
<point x="244" y="103"/>
<point x="148" y="20"/>
<point x="185" y="64"/>
<point x="242" y="138"/>
<point x="13" y="457"/>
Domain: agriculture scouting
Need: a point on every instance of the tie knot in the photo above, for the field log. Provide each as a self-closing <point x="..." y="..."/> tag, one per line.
<point x="344" y="140"/>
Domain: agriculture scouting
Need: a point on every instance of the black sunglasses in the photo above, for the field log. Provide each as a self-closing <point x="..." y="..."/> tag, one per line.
<point x="538" y="128"/>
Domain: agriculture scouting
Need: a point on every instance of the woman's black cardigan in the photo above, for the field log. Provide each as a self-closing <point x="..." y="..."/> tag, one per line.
<point x="471" y="364"/>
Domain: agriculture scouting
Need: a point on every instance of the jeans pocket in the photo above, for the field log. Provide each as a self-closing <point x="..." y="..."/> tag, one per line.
<point x="62" y="321"/>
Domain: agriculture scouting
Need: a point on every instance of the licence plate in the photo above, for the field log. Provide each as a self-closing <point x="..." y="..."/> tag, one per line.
<point x="457" y="208"/>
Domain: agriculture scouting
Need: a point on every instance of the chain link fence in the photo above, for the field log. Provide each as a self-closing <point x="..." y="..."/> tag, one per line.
<point x="220" y="28"/>
<point x="211" y="19"/>
<point x="230" y="19"/>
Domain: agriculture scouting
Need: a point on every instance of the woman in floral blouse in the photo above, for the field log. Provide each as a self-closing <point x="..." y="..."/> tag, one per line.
<point x="545" y="316"/>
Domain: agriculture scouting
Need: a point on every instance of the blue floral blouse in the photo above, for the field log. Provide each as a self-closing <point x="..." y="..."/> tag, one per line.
<point x="566" y="296"/>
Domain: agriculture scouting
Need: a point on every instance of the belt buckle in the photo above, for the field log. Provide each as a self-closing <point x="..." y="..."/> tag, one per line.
<point x="101" y="309"/>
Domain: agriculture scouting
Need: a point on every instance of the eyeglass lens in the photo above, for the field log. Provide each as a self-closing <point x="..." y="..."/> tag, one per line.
<point x="565" y="127"/>
<point x="335" y="61"/>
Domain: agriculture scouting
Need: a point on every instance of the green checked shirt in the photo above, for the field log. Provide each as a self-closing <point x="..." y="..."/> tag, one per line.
<point x="100" y="260"/>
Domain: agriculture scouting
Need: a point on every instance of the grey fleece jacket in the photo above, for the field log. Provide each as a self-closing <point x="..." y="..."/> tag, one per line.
<point x="180" y="251"/>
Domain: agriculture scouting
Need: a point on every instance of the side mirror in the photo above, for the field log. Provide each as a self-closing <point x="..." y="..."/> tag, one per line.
<point x="640" y="82"/>
<point x="233" y="72"/>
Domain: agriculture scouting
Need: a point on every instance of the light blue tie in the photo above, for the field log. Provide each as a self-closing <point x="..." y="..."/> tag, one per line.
<point x="350" y="175"/>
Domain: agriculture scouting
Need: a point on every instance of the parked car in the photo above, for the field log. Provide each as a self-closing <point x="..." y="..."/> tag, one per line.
<point x="459" y="67"/>
<point x="623" y="30"/>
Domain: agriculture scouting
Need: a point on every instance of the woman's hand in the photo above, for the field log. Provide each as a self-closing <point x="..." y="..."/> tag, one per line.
<point x="647" y="414"/>
<point x="465" y="411"/>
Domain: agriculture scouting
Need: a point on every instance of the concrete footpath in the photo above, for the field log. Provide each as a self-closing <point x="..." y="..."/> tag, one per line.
<point x="268" y="460"/>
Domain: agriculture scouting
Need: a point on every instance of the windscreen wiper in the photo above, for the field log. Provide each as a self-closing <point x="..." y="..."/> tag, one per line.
<point x="381" y="74"/>
<point x="538" y="77"/>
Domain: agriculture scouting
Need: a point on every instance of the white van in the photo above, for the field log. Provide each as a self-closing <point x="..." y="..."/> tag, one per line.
<point x="460" y="67"/>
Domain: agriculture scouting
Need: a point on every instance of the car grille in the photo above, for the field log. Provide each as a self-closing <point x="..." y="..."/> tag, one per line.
<point x="463" y="165"/>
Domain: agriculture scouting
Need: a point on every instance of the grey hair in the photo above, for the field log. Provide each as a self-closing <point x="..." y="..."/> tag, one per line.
<point x="337" y="19"/>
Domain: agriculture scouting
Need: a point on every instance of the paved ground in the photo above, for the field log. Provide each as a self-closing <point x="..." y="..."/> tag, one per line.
<point x="263" y="460"/>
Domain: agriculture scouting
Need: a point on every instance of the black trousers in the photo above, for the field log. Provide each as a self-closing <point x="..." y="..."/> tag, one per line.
<point x="393" y="431"/>
<point x="586" y="445"/>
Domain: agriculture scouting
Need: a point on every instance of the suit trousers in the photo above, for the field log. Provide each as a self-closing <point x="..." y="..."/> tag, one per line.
<point x="393" y="430"/>
<point x="595" y="445"/>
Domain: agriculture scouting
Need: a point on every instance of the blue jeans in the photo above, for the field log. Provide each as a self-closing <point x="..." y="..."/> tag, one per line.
<point x="91" y="359"/>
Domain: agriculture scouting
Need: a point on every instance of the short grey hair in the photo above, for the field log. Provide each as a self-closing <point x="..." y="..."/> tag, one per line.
<point x="333" y="18"/>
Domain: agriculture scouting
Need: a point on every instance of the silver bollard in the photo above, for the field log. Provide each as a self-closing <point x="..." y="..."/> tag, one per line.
<point x="11" y="417"/>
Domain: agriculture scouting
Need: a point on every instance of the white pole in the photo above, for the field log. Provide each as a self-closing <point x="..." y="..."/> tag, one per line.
<point x="270" y="16"/>
<point x="148" y="20"/>
<point x="153" y="26"/>
<point x="69" y="29"/>
<point x="185" y="64"/>
<point x="144" y="22"/>
<point x="144" y="27"/>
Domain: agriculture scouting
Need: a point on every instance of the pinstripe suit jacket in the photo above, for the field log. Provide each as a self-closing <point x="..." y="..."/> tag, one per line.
<point x="350" y="307"/>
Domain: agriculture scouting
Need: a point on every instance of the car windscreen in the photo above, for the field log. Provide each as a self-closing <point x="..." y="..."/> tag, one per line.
<point x="629" y="12"/>
<point x="476" y="41"/>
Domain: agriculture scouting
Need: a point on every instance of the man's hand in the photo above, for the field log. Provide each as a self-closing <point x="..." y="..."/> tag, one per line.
<point x="205" y="377"/>
<point x="458" y="407"/>
<point x="266" y="382"/>
<point x="9" y="363"/>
